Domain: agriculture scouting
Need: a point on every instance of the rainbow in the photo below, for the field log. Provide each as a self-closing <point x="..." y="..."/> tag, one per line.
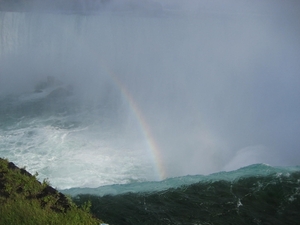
<point x="144" y="127"/>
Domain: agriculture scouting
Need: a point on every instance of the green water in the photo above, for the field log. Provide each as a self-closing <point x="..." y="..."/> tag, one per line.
<point x="270" y="199"/>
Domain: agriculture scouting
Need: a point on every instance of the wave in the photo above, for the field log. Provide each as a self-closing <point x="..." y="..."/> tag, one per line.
<point x="255" y="170"/>
<point x="257" y="194"/>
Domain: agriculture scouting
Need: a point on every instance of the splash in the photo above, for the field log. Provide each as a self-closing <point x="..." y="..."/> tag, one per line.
<point x="154" y="148"/>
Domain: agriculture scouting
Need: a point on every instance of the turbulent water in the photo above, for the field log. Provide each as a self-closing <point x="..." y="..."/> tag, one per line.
<point x="258" y="194"/>
<point x="71" y="144"/>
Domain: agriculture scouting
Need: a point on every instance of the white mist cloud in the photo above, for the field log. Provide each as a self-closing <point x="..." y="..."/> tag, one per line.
<point x="219" y="89"/>
<point x="250" y="155"/>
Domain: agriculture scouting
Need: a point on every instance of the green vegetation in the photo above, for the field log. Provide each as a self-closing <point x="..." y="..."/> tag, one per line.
<point x="24" y="200"/>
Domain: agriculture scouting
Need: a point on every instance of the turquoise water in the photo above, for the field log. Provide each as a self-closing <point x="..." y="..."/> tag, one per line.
<point x="258" y="194"/>
<point x="71" y="144"/>
<point x="255" y="170"/>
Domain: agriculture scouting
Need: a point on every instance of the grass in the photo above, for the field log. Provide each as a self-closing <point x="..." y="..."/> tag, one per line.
<point x="24" y="200"/>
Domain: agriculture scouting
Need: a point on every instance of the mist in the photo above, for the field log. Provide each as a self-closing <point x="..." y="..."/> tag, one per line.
<point x="218" y="84"/>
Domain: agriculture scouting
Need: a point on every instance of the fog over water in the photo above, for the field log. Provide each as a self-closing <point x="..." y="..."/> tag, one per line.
<point x="217" y="85"/>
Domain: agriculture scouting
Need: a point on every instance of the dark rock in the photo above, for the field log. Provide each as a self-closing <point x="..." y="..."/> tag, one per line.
<point x="59" y="93"/>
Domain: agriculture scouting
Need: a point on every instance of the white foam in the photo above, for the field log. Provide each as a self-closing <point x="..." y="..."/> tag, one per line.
<point x="78" y="157"/>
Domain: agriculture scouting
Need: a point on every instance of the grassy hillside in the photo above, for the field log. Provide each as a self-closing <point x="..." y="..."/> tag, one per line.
<point x="24" y="200"/>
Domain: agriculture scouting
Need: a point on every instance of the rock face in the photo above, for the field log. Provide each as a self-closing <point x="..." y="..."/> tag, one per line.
<point x="50" y="82"/>
<point x="15" y="181"/>
<point x="59" y="93"/>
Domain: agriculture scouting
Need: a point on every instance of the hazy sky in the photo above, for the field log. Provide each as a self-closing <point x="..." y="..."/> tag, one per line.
<point x="231" y="93"/>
